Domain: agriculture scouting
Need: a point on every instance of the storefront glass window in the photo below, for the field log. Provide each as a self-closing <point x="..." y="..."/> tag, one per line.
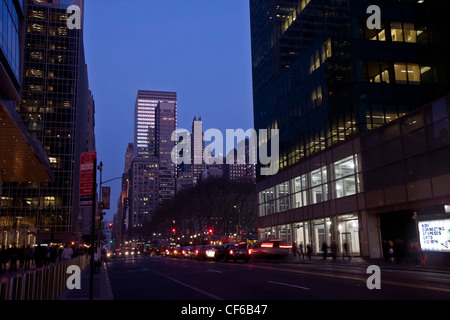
<point x="348" y="231"/>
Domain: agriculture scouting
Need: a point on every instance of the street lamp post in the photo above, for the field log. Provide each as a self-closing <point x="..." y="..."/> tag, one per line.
<point x="100" y="208"/>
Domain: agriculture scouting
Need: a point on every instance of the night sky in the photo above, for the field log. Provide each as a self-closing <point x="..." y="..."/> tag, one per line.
<point x="198" y="48"/>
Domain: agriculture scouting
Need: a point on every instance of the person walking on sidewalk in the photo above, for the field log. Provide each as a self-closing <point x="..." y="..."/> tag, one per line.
<point x="325" y="250"/>
<point x="346" y="252"/>
<point x="28" y="257"/>
<point x="309" y="251"/>
<point x="301" y="252"/>
<point x="3" y="259"/>
<point x="67" y="253"/>
<point x="334" y="250"/>
<point x="13" y="257"/>
<point x="294" y="248"/>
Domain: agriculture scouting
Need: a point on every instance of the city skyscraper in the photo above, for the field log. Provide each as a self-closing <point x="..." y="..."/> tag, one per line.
<point x="166" y="124"/>
<point x="54" y="108"/>
<point x="331" y="85"/>
<point x="145" y="120"/>
<point x="22" y="158"/>
<point x="153" y="174"/>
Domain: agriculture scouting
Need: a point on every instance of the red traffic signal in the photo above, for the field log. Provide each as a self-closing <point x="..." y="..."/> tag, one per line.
<point x="210" y="231"/>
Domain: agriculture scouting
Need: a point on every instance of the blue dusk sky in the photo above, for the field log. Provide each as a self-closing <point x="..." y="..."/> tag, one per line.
<point x="198" y="48"/>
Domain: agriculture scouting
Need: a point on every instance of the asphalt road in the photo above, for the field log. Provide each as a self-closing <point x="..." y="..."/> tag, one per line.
<point x="161" y="279"/>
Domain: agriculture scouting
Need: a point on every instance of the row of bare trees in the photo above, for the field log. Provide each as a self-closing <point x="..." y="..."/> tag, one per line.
<point x="219" y="205"/>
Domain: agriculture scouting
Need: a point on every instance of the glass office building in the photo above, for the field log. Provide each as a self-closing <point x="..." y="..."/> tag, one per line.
<point x="54" y="109"/>
<point x="323" y="78"/>
<point x="145" y="120"/>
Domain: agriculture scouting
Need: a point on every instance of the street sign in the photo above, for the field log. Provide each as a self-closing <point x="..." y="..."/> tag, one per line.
<point x="87" y="178"/>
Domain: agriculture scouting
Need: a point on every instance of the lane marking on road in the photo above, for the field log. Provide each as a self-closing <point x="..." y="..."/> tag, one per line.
<point x="189" y="286"/>
<point x="217" y="271"/>
<point x="288" y="285"/>
<point x="138" y="270"/>
<point x="394" y="283"/>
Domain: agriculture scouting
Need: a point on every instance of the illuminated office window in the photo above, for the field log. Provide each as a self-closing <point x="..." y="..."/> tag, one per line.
<point x="407" y="73"/>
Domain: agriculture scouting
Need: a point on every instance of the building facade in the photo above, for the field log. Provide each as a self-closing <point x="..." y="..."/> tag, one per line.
<point x="22" y="158"/>
<point x="152" y="174"/>
<point x="145" y="120"/>
<point x="328" y="83"/>
<point x="54" y="109"/>
<point x="166" y="124"/>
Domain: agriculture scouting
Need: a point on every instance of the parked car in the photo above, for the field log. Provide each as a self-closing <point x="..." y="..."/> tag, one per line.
<point x="234" y="251"/>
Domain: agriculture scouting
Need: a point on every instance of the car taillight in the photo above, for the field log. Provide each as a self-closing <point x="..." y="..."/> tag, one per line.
<point x="231" y="251"/>
<point x="196" y="251"/>
<point x="249" y="251"/>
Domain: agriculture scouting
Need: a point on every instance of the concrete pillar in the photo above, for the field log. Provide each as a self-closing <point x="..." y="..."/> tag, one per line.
<point x="370" y="234"/>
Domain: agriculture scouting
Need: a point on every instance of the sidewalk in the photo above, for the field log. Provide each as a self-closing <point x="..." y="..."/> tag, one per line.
<point x="365" y="262"/>
<point x="101" y="290"/>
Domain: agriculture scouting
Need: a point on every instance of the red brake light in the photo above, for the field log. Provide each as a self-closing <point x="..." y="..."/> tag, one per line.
<point x="249" y="251"/>
<point x="231" y="251"/>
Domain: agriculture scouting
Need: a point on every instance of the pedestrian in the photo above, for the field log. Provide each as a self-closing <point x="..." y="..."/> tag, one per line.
<point x="96" y="262"/>
<point x="294" y="248"/>
<point x="301" y="252"/>
<point x="38" y="256"/>
<point x="325" y="250"/>
<point x="346" y="252"/>
<point x="391" y="251"/>
<point x="13" y="257"/>
<point x="398" y="250"/>
<point x="309" y="251"/>
<point x="386" y="250"/>
<point x="3" y="259"/>
<point x="414" y="248"/>
<point x="334" y="250"/>
<point x="67" y="253"/>
<point x="21" y="252"/>
<point x="28" y="257"/>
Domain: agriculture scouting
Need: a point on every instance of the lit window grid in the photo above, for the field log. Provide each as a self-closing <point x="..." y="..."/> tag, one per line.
<point x="48" y="111"/>
<point x="333" y="181"/>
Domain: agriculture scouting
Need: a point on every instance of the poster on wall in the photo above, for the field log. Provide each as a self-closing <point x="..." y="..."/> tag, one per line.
<point x="435" y="235"/>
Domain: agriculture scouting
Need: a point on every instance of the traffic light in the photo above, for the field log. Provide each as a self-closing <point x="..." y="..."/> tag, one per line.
<point x="210" y="231"/>
<point x="174" y="230"/>
<point x="110" y="225"/>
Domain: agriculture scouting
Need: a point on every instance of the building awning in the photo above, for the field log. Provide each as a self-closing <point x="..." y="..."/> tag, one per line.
<point x="22" y="158"/>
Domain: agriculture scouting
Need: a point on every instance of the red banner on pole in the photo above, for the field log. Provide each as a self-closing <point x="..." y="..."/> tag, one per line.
<point x="87" y="183"/>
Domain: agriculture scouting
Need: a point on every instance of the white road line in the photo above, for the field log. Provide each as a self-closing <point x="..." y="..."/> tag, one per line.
<point x="189" y="286"/>
<point x="289" y="285"/>
<point x="210" y="270"/>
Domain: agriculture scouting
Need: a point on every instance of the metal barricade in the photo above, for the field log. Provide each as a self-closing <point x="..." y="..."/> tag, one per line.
<point x="45" y="283"/>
